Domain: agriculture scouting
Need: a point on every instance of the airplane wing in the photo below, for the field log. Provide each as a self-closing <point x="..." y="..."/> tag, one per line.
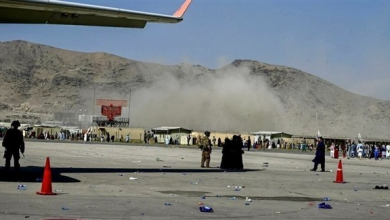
<point x="70" y="13"/>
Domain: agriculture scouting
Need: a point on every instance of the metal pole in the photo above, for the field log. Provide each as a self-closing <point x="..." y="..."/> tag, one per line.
<point x="94" y="101"/>
<point x="249" y="123"/>
<point x="93" y="111"/>
<point x="317" y="120"/>
<point x="129" y="105"/>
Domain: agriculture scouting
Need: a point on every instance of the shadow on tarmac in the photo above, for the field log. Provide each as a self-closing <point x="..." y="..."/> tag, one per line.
<point x="205" y="195"/>
<point x="32" y="174"/>
<point x="35" y="174"/>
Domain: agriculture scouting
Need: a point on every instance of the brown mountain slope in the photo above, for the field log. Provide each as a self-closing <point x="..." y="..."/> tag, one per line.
<point x="243" y="96"/>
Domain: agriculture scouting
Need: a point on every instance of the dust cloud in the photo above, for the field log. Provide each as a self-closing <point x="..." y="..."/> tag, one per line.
<point x="229" y="99"/>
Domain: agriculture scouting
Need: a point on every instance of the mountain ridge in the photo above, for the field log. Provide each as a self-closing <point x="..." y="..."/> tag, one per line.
<point x="243" y="96"/>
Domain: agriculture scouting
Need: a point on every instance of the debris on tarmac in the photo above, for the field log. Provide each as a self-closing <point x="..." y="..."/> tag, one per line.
<point x="133" y="178"/>
<point x="324" y="206"/>
<point x="22" y="187"/>
<point x="205" y="209"/>
<point x="297" y="202"/>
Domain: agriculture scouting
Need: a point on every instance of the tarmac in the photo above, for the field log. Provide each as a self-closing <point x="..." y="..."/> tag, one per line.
<point x="117" y="181"/>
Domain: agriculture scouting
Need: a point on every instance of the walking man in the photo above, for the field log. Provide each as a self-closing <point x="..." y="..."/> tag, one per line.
<point x="128" y="138"/>
<point x="249" y="143"/>
<point x="320" y="155"/>
<point x="214" y="140"/>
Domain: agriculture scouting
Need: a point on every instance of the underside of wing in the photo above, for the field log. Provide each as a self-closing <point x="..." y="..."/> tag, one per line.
<point x="24" y="16"/>
<point x="60" y="12"/>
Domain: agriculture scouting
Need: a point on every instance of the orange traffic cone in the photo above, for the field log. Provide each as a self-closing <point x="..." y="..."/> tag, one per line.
<point x="46" y="183"/>
<point x="339" y="176"/>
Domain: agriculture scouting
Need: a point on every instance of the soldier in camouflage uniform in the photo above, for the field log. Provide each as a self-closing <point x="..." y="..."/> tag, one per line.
<point x="205" y="146"/>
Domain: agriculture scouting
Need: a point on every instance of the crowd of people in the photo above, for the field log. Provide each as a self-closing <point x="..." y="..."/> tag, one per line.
<point x="232" y="148"/>
<point x="360" y="150"/>
<point x="348" y="148"/>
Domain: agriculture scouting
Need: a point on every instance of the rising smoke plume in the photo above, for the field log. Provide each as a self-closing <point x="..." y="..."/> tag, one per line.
<point x="229" y="99"/>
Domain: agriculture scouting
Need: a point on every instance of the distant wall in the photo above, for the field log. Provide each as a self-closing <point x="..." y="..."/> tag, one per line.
<point x="136" y="134"/>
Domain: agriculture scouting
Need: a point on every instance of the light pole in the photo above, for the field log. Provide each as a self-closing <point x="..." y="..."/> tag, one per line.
<point x="129" y="105"/>
<point x="317" y="119"/>
<point x="249" y="124"/>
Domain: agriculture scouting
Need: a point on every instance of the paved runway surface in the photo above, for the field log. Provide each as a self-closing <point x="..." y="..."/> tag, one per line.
<point x="105" y="181"/>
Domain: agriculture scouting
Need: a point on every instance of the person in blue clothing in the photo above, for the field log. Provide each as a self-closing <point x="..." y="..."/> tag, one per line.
<point x="376" y="152"/>
<point x="320" y="155"/>
<point x="353" y="150"/>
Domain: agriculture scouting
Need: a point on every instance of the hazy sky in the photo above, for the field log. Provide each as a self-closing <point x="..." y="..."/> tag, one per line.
<point x="346" y="42"/>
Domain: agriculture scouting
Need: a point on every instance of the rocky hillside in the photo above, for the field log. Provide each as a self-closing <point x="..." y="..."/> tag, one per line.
<point x="38" y="81"/>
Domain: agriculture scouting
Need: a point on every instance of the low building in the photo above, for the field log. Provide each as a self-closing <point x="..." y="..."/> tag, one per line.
<point x="38" y="131"/>
<point x="119" y="133"/>
<point x="178" y="134"/>
<point x="270" y="135"/>
<point x="272" y="138"/>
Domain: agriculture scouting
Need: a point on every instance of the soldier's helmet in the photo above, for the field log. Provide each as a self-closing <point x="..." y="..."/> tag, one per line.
<point x="207" y="133"/>
<point x="15" y="124"/>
